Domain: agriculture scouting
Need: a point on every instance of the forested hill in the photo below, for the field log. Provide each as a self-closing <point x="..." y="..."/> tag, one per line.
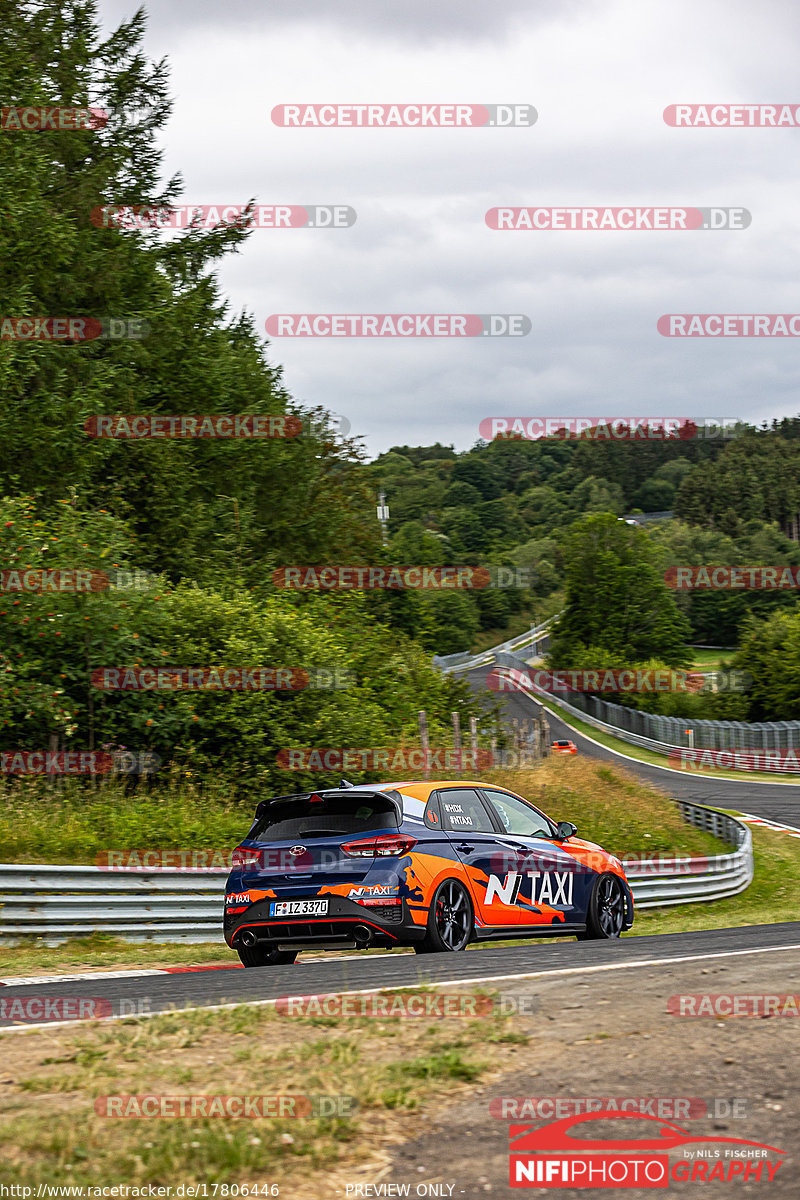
<point x="511" y="501"/>
<point x="499" y="493"/>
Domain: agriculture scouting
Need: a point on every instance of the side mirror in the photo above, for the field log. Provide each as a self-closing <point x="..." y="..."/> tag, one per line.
<point x="566" y="830"/>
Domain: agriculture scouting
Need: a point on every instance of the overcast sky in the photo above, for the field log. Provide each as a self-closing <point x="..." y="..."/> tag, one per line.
<point x="600" y="76"/>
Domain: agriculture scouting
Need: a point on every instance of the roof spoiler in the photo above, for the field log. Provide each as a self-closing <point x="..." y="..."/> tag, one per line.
<point x="393" y="796"/>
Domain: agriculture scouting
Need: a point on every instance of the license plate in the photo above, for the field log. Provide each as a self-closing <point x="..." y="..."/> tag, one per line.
<point x="298" y="908"/>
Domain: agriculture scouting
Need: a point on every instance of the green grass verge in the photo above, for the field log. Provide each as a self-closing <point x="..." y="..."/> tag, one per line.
<point x="76" y="824"/>
<point x="41" y="824"/>
<point x="377" y="1073"/>
<point x="706" y="660"/>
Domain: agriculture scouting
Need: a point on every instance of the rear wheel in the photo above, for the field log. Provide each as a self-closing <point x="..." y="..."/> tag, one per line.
<point x="449" y="920"/>
<point x="264" y="955"/>
<point x="606" y="913"/>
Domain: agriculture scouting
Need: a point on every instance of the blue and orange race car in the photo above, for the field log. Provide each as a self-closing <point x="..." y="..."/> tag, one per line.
<point x="432" y="865"/>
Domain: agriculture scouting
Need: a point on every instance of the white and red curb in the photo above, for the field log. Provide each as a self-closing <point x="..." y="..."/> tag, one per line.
<point x="89" y="976"/>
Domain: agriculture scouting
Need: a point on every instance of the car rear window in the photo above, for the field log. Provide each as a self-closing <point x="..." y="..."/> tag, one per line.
<point x="300" y="816"/>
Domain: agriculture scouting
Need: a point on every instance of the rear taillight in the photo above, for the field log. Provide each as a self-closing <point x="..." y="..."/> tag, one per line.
<point x="387" y="846"/>
<point x="242" y="858"/>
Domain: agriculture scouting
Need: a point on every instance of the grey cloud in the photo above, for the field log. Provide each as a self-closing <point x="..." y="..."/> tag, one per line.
<point x="412" y="21"/>
<point x="600" y="77"/>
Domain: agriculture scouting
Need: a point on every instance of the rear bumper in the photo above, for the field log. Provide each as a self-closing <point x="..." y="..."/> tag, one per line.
<point x="346" y="922"/>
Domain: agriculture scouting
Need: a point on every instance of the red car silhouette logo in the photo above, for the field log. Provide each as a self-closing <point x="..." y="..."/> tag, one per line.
<point x="555" y="1137"/>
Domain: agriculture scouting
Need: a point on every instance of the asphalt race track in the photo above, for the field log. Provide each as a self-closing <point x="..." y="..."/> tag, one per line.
<point x="378" y="971"/>
<point x="773" y="801"/>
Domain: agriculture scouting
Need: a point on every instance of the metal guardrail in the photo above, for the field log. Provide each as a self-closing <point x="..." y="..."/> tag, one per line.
<point x="781" y="765"/>
<point x="463" y="661"/>
<point x="622" y="735"/>
<point x="656" y="882"/>
<point x="59" y="902"/>
<point x="56" y="903"/>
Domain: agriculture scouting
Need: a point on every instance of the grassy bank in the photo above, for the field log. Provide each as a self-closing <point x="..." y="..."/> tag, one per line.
<point x="77" y="824"/>
<point x="41" y="824"/>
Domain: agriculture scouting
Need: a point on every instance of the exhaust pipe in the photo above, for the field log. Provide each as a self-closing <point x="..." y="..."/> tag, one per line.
<point x="363" y="936"/>
<point x="248" y="938"/>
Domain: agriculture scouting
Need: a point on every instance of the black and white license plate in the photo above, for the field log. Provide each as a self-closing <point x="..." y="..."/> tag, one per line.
<point x="298" y="908"/>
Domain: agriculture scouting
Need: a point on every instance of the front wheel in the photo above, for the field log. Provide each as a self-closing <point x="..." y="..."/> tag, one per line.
<point x="449" y="920"/>
<point x="264" y="955"/>
<point x="606" y="912"/>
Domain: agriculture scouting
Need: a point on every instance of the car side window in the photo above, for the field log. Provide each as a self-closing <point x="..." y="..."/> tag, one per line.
<point x="516" y="816"/>
<point x="462" y="809"/>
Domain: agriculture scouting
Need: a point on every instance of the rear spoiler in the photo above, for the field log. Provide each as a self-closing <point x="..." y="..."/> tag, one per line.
<point x="395" y="798"/>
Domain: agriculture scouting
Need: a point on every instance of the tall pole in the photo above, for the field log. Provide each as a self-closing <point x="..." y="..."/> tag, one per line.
<point x="423" y="740"/>
<point x="383" y="516"/>
<point x="457" y="734"/>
